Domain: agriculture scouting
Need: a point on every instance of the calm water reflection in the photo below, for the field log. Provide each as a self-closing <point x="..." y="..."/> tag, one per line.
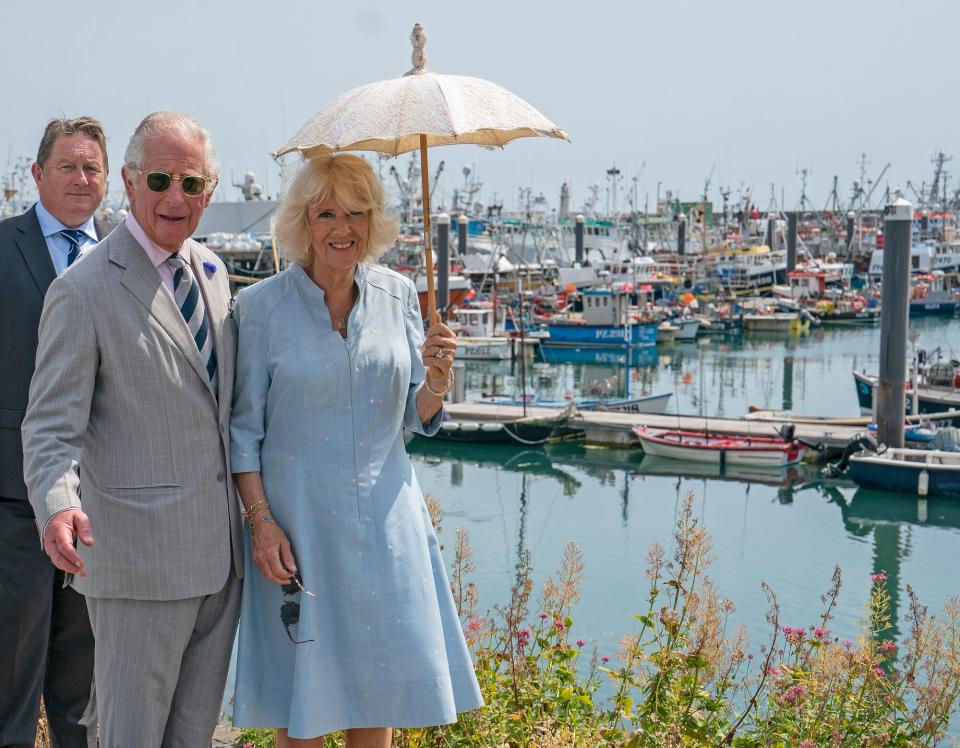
<point x="787" y="528"/>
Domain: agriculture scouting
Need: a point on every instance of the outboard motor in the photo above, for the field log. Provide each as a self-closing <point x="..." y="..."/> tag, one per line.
<point x="810" y="316"/>
<point x="861" y="442"/>
<point x="787" y="431"/>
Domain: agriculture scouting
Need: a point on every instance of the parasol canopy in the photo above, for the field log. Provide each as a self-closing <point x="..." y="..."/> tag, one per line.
<point x="417" y="110"/>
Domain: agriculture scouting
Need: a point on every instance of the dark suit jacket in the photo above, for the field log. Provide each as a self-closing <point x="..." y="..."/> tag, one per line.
<point x="26" y="271"/>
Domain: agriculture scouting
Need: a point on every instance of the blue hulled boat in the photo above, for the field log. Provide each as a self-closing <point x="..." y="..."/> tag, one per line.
<point x="606" y="322"/>
<point x="923" y="472"/>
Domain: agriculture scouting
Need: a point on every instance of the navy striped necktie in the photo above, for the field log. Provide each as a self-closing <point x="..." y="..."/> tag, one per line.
<point x="188" y="298"/>
<point x="73" y="237"/>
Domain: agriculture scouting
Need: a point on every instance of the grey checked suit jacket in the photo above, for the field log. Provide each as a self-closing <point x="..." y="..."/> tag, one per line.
<point x="121" y="408"/>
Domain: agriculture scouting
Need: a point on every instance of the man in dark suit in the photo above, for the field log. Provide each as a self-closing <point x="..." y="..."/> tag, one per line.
<point x="45" y="636"/>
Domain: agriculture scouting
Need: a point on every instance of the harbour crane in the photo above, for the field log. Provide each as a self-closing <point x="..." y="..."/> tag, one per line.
<point x="938" y="162"/>
<point x="866" y="198"/>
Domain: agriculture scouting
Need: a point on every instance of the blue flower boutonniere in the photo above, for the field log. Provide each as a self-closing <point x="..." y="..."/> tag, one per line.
<point x="209" y="267"/>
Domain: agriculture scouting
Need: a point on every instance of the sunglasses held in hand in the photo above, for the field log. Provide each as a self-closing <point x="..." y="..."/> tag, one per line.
<point x="290" y="610"/>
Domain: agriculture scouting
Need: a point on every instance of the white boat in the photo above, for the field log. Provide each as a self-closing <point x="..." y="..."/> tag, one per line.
<point x="792" y="322"/>
<point x="687" y="328"/>
<point x="477" y="338"/>
<point x="483" y="349"/>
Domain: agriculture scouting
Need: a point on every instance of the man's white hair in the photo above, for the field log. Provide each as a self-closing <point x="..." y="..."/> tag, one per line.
<point x="171" y="122"/>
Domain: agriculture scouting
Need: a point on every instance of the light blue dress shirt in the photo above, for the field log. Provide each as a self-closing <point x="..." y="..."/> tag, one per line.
<point x="58" y="245"/>
<point x="322" y="419"/>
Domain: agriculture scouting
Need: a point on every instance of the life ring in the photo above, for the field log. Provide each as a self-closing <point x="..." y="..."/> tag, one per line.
<point x="858" y="303"/>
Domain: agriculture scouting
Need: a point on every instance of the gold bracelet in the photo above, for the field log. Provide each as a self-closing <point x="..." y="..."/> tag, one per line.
<point x="450" y="380"/>
<point x="266" y="520"/>
<point x="255" y="507"/>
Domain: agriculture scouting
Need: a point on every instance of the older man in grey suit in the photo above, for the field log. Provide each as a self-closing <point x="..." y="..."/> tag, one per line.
<point x="130" y="403"/>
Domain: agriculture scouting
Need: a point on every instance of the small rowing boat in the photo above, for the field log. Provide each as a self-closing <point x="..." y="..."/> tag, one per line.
<point x="720" y="449"/>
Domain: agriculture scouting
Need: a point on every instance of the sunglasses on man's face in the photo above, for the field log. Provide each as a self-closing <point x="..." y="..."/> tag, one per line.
<point x="191" y="184"/>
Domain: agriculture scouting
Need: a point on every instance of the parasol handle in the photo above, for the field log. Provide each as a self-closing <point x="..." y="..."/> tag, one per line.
<point x="427" y="243"/>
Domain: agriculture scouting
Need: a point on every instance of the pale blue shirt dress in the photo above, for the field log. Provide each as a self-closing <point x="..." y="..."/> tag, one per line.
<point x="322" y="418"/>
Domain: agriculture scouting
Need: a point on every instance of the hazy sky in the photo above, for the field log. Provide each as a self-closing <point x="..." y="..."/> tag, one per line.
<point x="670" y="92"/>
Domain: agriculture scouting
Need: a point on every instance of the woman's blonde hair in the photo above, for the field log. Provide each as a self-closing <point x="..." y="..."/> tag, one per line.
<point x="354" y="185"/>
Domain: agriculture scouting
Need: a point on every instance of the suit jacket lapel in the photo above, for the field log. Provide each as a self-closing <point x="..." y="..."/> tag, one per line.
<point x="141" y="278"/>
<point x="34" y="249"/>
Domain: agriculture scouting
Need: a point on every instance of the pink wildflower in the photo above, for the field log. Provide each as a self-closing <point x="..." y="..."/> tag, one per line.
<point x="794" y="635"/>
<point x="604" y="659"/>
<point x="558" y="625"/>
<point x="543" y="616"/>
<point x="807" y="744"/>
<point x="474" y="625"/>
<point x="580" y="642"/>
<point x="888" y="647"/>
<point x="820" y="633"/>
<point x="878" y="671"/>
<point x="248" y="745"/>
<point x="793" y="695"/>
<point x="774" y="670"/>
<point x="887" y="697"/>
<point x="879" y="578"/>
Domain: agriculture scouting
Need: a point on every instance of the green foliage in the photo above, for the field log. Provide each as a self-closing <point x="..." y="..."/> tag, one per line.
<point x="682" y="678"/>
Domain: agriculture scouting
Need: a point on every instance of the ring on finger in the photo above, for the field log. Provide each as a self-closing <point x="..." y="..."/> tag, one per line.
<point x="441" y="353"/>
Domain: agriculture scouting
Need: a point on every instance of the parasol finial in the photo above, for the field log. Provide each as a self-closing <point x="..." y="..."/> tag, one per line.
<point x="418" y="38"/>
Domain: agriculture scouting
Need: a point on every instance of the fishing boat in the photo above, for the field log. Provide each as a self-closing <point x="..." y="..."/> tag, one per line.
<point x="722" y="319"/>
<point x="924" y="472"/>
<point x="936" y="391"/>
<point x="824" y="289"/>
<point x="794" y="323"/>
<point x="720" y="449"/>
<point x="748" y="270"/>
<point x="476" y="337"/>
<point x="930" y="294"/>
<point x="606" y="322"/>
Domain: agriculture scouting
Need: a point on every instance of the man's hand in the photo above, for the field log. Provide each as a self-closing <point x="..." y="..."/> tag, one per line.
<point x="58" y="540"/>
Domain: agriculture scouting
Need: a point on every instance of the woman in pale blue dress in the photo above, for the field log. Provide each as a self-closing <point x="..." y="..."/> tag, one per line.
<point x="330" y="370"/>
